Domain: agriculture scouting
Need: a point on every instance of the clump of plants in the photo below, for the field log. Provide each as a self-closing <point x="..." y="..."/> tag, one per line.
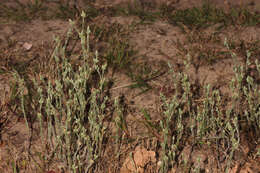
<point x="71" y="106"/>
<point x="207" y="120"/>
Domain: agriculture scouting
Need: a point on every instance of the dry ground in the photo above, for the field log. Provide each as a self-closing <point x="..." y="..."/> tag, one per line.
<point x="26" y="44"/>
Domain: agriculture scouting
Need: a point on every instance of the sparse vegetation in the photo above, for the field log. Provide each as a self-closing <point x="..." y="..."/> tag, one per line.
<point x="81" y="122"/>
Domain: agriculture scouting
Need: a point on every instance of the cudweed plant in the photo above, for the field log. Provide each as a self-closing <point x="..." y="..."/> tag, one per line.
<point x="173" y="117"/>
<point x="252" y="94"/>
<point x="245" y="104"/>
<point x="246" y="94"/>
<point x="209" y="122"/>
<point x="72" y="107"/>
<point x="21" y="92"/>
<point x="169" y="147"/>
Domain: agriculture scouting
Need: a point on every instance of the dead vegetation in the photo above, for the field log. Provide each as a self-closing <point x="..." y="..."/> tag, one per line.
<point x="143" y="86"/>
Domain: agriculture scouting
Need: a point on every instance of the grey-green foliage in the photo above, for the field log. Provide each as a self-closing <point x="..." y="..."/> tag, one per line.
<point x="173" y="117"/>
<point x="252" y="93"/>
<point x="210" y="122"/>
<point x="73" y="106"/>
<point x="206" y="120"/>
<point x="246" y="93"/>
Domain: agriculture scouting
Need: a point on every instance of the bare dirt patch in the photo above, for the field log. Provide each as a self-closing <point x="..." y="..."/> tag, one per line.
<point x="138" y="84"/>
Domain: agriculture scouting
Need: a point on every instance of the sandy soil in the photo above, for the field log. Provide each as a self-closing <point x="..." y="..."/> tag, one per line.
<point x="158" y="43"/>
